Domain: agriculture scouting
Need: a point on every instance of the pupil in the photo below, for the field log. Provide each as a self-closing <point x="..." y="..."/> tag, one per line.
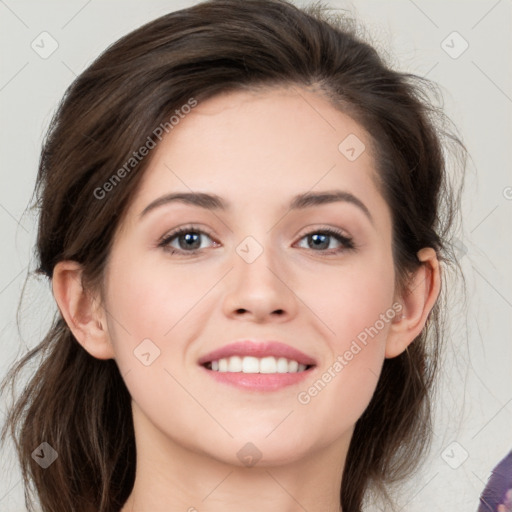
<point x="316" y="238"/>
<point x="189" y="238"/>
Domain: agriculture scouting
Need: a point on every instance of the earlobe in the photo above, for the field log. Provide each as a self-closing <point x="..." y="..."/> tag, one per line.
<point x="417" y="302"/>
<point x="81" y="310"/>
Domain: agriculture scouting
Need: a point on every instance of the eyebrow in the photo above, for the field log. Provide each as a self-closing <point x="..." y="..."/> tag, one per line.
<point x="299" y="202"/>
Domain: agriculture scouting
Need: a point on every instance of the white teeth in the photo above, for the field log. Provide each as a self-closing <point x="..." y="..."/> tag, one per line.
<point x="249" y="364"/>
<point x="268" y="365"/>
<point x="282" y="365"/>
<point x="293" y="366"/>
<point x="235" y="364"/>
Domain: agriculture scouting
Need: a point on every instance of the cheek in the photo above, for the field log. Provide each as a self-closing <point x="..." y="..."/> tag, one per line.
<point x="143" y="308"/>
<point x="356" y="306"/>
<point x="351" y="299"/>
<point x="146" y="316"/>
<point x="150" y="300"/>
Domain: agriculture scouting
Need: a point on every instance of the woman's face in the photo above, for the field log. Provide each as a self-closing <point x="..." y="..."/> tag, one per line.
<point x="261" y="271"/>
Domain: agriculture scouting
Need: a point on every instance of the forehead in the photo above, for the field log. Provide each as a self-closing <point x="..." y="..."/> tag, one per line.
<point x="264" y="145"/>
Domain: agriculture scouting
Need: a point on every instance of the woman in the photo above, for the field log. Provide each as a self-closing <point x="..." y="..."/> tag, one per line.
<point x="245" y="219"/>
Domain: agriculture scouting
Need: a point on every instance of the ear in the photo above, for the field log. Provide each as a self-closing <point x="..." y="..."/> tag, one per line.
<point x="417" y="301"/>
<point x="81" y="310"/>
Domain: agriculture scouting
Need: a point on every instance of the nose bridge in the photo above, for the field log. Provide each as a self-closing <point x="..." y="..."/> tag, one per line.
<point x="258" y="285"/>
<point x="258" y="243"/>
<point x="256" y="260"/>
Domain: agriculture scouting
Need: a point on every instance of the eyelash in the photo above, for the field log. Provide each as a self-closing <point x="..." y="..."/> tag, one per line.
<point x="346" y="242"/>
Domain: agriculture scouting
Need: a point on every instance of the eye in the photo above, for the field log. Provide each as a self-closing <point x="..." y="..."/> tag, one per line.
<point x="321" y="238"/>
<point x="188" y="239"/>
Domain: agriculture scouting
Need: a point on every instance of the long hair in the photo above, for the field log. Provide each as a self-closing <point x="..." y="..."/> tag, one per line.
<point x="80" y="405"/>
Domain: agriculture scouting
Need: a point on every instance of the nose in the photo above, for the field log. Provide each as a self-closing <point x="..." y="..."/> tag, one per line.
<point x="261" y="290"/>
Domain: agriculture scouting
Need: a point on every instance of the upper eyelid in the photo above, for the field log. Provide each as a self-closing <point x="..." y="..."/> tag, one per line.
<point x="174" y="232"/>
<point x="194" y="228"/>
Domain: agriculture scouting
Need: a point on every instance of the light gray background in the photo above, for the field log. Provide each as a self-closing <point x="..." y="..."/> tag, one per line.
<point x="474" y="404"/>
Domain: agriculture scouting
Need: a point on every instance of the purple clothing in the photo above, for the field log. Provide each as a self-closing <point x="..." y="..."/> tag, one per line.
<point x="497" y="486"/>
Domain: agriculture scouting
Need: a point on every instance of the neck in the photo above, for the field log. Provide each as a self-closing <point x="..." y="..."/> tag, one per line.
<point x="174" y="478"/>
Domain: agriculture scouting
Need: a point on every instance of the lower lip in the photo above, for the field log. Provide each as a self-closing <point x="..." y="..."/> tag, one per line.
<point x="259" y="381"/>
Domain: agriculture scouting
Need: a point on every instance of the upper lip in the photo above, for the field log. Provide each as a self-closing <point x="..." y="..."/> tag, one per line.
<point x="258" y="349"/>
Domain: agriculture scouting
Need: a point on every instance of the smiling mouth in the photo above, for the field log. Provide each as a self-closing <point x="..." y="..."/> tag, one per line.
<point x="251" y="364"/>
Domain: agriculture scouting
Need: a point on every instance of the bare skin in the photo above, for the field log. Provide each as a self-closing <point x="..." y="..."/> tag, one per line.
<point x="257" y="151"/>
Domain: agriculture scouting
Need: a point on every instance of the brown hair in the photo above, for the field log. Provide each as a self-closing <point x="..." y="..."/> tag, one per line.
<point x="79" y="404"/>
